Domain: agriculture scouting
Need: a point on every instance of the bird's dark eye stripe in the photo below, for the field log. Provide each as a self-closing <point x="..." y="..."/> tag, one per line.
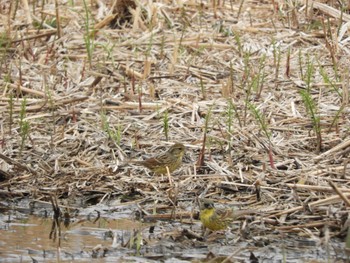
<point x="208" y="205"/>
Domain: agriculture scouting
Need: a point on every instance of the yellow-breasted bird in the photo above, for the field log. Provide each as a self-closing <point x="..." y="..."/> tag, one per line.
<point x="171" y="159"/>
<point x="218" y="219"/>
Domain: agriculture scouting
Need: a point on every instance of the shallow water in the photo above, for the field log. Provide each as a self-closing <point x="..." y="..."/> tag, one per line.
<point x="88" y="238"/>
<point x="25" y="237"/>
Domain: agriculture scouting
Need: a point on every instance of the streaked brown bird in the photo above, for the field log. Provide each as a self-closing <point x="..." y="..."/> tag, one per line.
<point x="172" y="159"/>
<point x="218" y="219"/>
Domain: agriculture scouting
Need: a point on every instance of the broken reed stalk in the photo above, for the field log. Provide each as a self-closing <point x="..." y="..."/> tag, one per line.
<point x="166" y="125"/>
<point x="58" y="19"/>
<point x="89" y="35"/>
<point x="56" y="223"/>
<point x="11" y="102"/>
<point x="200" y="161"/>
<point x="328" y="36"/>
<point x="340" y="193"/>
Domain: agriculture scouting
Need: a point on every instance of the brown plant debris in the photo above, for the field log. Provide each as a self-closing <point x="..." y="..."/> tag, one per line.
<point x="122" y="11"/>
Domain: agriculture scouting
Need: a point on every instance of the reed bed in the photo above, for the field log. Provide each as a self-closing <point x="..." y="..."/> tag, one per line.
<point x="258" y="91"/>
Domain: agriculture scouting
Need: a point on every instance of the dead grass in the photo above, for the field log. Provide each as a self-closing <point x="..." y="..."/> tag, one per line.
<point x="89" y="113"/>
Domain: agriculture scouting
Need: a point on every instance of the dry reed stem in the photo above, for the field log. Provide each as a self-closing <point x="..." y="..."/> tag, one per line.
<point x="327" y="9"/>
<point x="27" y="11"/>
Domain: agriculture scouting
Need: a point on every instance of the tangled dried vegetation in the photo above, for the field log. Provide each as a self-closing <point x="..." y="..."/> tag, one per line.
<point x="258" y="91"/>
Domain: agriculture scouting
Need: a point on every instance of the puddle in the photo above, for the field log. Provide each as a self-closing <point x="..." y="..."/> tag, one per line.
<point x="102" y="237"/>
<point x="23" y="238"/>
<point x="96" y="234"/>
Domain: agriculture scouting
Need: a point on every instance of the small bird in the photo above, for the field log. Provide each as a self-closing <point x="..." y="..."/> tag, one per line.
<point x="218" y="219"/>
<point x="171" y="159"/>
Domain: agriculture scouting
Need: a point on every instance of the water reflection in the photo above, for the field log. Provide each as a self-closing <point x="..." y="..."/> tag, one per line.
<point x="89" y="237"/>
<point x="24" y="238"/>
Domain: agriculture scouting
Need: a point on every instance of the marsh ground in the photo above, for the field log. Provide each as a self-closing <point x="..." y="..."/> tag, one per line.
<point x="258" y="91"/>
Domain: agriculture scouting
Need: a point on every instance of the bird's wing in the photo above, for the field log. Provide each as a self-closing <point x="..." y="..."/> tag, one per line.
<point x="225" y="213"/>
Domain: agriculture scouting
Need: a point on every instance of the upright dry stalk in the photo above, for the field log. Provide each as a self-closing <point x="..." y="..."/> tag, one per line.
<point x="10" y="113"/>
<point x="166" y="125"/>
<point x="200" y="161"/>
<point x="58" y="20"/>
<point x="173" y="59"/>
<point x="27" y="11"/>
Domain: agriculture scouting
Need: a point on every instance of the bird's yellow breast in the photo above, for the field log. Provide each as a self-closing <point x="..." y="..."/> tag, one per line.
<point x="210" y="219"/>
<point x="205" y="215"/>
